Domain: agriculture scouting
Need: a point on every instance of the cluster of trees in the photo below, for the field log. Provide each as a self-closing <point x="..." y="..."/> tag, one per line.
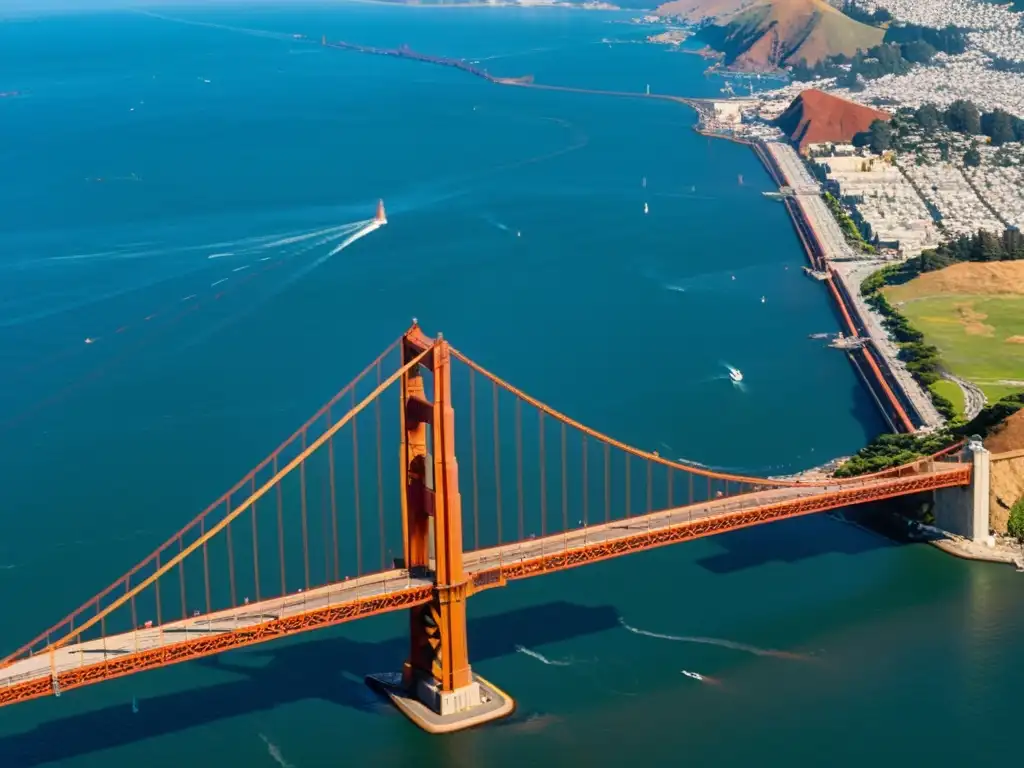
<point x="876" y="18"/>
<point x="964" y="117"/>
<point x="880" y="137"/>
<point x="851" y="230"/>
<point x="981" y="246"/>
<point x="892" y="450"/>
<point x="951" y="40"/>
<point x="1015" y="525"/>
<point x="902" y="47"/>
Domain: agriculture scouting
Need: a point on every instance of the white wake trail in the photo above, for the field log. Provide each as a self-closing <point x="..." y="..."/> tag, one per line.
<point x="367" y="228"/>
<point x="541" y="657"/>
<point x="714" y="641"/>
<point x="340" y="229"/>
<point x="275" y="753"/>
<point x="328" y="234"/>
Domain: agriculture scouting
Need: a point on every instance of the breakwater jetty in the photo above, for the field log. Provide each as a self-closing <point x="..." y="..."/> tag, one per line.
<point x="524" y="81"/>
<point x="405" y="52"/>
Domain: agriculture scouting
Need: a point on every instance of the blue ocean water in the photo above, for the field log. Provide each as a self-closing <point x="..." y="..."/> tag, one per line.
<point x="140" y="146"/>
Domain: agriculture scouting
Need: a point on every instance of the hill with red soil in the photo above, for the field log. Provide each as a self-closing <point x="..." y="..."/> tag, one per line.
<point x="816" y="116"/>
<point x="768" y="34"/>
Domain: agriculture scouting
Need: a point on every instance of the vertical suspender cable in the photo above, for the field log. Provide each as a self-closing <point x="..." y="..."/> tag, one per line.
<point x="472" y="447"/>
<point x="206" y="564"/>
<point x="255" y="543"/>
<point x="497" y="464"/>
<point x="565" y="486"/>
<point x="231" y="558"/>
<point x="302" y="512"/>
<point x="280" y="530"/>
<point x="607" y="483"/>
<point x="519" y="468"/>
<point x="650" y="486"/>
<point x="380" y="478"/>
<point x="334" y="500"/>
<point x="355" y="490"/>
<point x="586" y="490"/>
<point x="543" y="477"/>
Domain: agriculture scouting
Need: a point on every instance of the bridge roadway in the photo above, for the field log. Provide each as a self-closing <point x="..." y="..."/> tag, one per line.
<point x="145" y="648"/>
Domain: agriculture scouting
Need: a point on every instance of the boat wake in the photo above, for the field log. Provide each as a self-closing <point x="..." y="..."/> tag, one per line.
<point x="351" y="234"/>
<point x="275" y="753"/>
<point x="542" y="658"/>
<point x="730" y="644"/>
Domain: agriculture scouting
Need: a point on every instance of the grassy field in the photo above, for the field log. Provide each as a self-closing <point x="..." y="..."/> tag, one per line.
<point x="974" y="314"/>
<point x="951" y="392"/>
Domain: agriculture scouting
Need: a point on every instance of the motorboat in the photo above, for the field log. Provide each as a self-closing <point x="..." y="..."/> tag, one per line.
<point x="735" y="375"/>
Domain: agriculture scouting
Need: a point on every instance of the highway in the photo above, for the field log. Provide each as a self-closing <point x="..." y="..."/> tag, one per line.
<point x="974" y="398"/>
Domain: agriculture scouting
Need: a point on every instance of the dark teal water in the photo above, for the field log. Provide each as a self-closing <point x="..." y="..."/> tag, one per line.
<point x="625" y="321"/>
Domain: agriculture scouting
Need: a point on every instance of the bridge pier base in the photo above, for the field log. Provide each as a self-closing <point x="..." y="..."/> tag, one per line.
<point x="965" y="511"/>
<point x="437" y="711"/>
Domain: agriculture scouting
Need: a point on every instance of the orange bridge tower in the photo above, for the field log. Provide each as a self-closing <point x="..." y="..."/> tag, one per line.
<point x="438" y="689"/>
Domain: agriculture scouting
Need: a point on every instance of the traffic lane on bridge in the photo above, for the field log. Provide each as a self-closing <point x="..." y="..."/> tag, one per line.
<point x="219" y="622"/>
<point x="486" y="559"/>
<point x="590" y="537"/>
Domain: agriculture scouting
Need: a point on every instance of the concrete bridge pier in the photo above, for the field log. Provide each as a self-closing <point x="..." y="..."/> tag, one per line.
<point x="965" y="510"/>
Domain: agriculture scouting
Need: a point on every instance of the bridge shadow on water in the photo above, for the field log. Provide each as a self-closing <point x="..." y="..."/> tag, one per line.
<point x="790" y="541"/>
<point x="330" y="669"/>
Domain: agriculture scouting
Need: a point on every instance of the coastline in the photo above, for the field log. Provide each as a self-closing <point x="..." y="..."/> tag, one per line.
<point x="904" y="404"/>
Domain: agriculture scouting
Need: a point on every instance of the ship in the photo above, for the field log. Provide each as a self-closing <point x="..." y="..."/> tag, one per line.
<point x="381" y="218"/>
<point x="735" y="374"/>
<point x="646" y="209"/>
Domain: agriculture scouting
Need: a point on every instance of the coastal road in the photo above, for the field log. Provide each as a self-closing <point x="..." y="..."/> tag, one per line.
<point x="974" y="398"/>
<point x="853" y="274"/>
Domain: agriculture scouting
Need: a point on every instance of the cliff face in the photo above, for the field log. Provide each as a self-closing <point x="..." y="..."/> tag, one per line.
<point x="765" y="34"/>
<point x="815" y="116"/>
<point x="1007" y="478"/>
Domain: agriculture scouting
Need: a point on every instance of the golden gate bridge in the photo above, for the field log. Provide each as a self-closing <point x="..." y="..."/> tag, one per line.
<point x="382" y="502"/>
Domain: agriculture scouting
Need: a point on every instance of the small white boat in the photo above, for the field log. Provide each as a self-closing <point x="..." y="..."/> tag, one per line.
<point x="735" y="375"/>
<point x="646" y="209"/>
<point x="694" y="675"/>
<point x="762" y="299"/>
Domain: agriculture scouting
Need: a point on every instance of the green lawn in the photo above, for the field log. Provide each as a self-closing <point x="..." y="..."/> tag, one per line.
<point x="972" y="334"/>
<point x="952" y="392"/>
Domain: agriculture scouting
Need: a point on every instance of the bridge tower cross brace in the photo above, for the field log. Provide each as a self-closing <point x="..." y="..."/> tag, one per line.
<point x="437" y="671"/>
